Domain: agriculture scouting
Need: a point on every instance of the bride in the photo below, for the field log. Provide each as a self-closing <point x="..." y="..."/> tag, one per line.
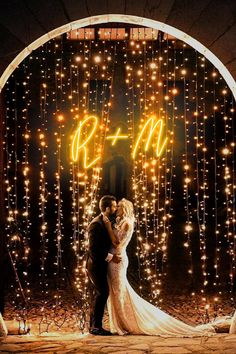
<point x="128" y="312"/>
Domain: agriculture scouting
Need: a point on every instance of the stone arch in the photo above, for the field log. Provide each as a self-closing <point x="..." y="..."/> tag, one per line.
<point x="129" y="19"/>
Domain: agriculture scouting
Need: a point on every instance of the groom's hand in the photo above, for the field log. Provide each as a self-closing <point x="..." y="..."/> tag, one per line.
<point x="116" y="258"/>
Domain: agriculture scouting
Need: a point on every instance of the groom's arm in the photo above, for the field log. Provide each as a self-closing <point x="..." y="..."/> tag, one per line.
<point x="96" y="247"/>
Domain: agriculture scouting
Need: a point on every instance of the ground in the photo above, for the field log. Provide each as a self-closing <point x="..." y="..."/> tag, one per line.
<point x="63" y="335"/>
<point x="75" y="343"/>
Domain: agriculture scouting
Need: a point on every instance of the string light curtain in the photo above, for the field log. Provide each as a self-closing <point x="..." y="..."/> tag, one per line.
<point x="179" y="145"/>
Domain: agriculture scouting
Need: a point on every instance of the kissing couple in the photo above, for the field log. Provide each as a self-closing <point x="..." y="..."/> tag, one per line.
<point x="109" y="234"/>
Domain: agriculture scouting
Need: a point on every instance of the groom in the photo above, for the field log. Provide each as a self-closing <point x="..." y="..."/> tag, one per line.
<point x="98" y="258"/>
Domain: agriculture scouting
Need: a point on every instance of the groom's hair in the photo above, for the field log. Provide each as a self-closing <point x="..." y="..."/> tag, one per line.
<point x="106" y="202"/>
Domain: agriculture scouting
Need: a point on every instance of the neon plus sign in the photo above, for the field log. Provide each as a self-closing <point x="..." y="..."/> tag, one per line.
<point x="116" y="137"/>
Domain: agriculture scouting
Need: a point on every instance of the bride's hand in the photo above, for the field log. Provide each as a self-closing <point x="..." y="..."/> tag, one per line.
<point x="106" y="221"/>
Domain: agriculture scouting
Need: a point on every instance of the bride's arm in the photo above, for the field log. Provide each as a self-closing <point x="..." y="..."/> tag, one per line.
<point x="113" y="237"/>
<point x="124" y="230"/>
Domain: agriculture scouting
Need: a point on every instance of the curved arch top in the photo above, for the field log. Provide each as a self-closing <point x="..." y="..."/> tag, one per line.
<point x="129" y="19"/>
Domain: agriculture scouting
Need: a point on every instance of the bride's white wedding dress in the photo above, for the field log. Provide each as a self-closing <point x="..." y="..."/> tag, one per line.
<point x="129" y="313"/>
<point x="3" y="328"/>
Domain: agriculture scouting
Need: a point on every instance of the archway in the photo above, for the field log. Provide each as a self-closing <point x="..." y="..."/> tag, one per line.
<point x="112" y="18"/>
<point x="129" y="19"/>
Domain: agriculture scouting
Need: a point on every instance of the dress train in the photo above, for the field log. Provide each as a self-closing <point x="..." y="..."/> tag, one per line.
<point x="131" y="314"/>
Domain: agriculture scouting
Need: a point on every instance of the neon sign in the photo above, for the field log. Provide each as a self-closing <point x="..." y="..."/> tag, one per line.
<point x="116" y="137"/>
<point x="80" y="144"/>
<point x="159" y="147"/>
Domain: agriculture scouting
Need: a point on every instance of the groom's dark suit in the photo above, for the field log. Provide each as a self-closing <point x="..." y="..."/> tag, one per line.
<point x="99" y="245"/>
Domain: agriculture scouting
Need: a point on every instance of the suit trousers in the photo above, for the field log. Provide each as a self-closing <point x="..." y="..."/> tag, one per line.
<point x="98" y="277"/>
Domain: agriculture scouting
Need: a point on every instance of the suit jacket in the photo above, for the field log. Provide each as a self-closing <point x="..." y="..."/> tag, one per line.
<point x="99" y="241"/>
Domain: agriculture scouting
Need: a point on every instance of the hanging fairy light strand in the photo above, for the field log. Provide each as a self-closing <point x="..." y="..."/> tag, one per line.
<point x="43" y="188"/>
<point x="12" y="228"/>
<point x="233" y="206"/>
<point x="198" y="179"/>
<point x="205" y="162"/>
<point x="186" y="166"/>
<point x="17" y="226"/>
<point x="216" y="193"/>
<point x="228" y="146"/>
<point x="60" y="77"/>
<point x="26" y="223"/>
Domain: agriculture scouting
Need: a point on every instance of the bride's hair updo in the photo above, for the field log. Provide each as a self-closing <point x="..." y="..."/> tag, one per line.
<point x="128" y="209"/>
